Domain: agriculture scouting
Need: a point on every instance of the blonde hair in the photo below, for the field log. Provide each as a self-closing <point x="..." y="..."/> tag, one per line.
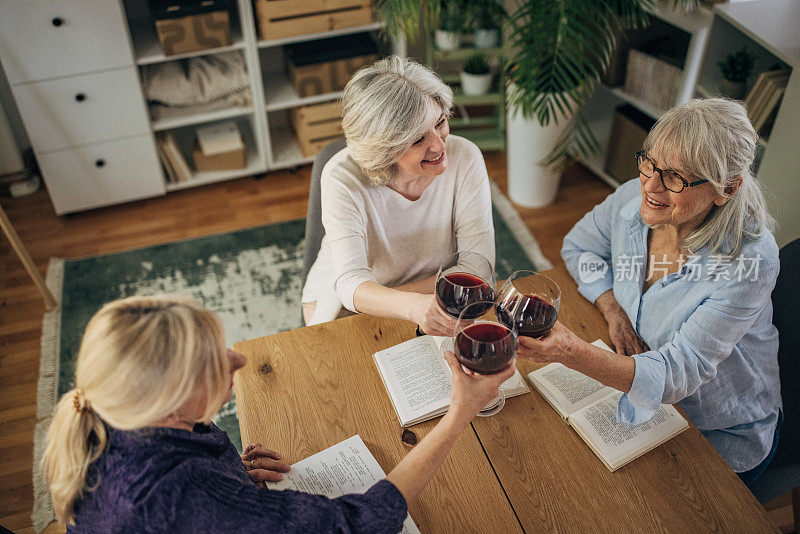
<point x="140" y="360"/>
<point x="713" y="139"/>
<point x="387" y="106"/>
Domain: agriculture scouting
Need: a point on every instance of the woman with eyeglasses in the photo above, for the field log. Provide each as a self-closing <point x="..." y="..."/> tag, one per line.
<point x="682" y="265"/>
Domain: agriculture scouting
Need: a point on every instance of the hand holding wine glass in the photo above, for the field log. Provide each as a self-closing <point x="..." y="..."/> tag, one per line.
<point x="560" y="345"/>
<point x="529" y="302"/>
<point x="464" y="278"/>
<point x="472" y="391"/>
<point x="429" y="316"/>
<point x="485" y="346"/>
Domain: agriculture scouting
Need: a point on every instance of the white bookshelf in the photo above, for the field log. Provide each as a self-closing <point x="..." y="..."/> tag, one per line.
<point x="269" y="140"/>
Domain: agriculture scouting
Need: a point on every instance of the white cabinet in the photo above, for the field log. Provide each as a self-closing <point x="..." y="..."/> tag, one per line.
<point x="71" y="69"/>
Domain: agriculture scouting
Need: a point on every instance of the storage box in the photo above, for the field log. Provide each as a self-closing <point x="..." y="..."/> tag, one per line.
<point x="628" y="132"/>
<point x="326" y="65"/>
<point x="189" y="26"/>
<point x="316" y="126"/>
<point x="219" y="147"/>
<point x="286" y="18"/>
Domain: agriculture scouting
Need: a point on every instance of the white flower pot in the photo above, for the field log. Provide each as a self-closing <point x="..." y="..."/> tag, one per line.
<point x="447" y="40"/>
<point x="487" y="38"/>
<point x="530" y="184"/>
<point x="475" y="84"/>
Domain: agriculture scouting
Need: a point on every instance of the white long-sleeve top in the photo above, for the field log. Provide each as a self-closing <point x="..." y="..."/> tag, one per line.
<point x="373" y="233"/>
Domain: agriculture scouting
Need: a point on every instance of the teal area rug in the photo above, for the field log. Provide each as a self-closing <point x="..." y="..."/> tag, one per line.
<point x="250" y="278"/>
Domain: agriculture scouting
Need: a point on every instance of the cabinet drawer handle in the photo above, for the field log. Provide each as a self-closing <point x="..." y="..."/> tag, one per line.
<point x="80" y="97"/>
<point x="57" y="21"/>
<point x="100" y="163"/>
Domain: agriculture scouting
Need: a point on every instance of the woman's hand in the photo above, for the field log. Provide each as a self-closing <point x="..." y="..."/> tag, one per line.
<point x="625" y="339"/>
<point x="559" y="345"/>
<point x="623" y="336"/>
<point x="263" y="465"/>
<point x="471" y="391"/>
<point x="430" y="317"/>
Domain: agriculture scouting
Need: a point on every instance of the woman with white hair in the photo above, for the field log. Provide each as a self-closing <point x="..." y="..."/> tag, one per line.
<point x="402" y="196"/>
<point x="682" y="265"/>
<point x="131" y="448"/>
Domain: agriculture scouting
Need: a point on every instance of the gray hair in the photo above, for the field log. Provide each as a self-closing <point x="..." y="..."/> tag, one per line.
<point x="386" y="107"/>
<point x="713" y="139"/>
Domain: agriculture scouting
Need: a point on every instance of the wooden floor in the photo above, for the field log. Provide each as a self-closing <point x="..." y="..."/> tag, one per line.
<point x="238" y="204"/>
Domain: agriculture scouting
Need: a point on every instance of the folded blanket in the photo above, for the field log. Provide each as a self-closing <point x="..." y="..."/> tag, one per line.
<point x="196" y="80"/>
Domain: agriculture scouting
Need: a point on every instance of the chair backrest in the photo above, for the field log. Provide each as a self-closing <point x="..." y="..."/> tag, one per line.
<point x="314" y="229"/>
<point x="786" y="318"/>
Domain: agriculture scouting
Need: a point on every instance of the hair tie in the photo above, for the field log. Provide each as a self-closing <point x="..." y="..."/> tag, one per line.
<point x="79" y="402"/>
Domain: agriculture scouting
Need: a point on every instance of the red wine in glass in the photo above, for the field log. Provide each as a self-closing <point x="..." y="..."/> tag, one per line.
<point x="485" y="348"/>
<point x="531" y="315"/>
<point x="455" y="291"/>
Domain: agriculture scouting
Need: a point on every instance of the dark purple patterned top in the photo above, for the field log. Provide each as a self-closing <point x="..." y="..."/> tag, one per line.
<point x="170" y="480"/>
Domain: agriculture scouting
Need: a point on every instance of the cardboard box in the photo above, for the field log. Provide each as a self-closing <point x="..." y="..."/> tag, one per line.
<point x="628" y="132"/>
<point x="219" y="147"/>
<point x="316" y="126"/>
<point x="277" y="19"/>
<point x="326" y="65"/>
<point x="224" y="161"/>
<point x="187" y="26"/>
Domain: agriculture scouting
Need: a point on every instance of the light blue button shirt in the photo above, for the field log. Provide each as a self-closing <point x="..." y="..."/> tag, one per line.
<point x="709" y="325"/>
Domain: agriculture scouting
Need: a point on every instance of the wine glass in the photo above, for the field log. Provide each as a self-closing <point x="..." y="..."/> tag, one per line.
<point x="463" y="278"/>
<point x="484" y="345"/>
<point x="529" y="303"/>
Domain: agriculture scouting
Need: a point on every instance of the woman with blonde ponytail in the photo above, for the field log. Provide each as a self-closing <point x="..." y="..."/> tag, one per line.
<point x="132" y="447"/>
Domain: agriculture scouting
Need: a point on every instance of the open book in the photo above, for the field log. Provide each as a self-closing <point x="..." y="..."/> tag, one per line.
<point x="347" y="467"/>
<point x="591" y="409"/>
<point x="418" y="379"/>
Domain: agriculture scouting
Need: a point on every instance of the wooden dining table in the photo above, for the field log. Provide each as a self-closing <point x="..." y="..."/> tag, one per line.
<point x="521" y="470"/>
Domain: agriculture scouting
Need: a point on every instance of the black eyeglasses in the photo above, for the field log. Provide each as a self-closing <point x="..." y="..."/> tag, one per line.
<point x="669" y="179"/>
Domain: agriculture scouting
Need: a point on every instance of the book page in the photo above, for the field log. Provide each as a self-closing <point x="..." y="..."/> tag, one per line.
<point x="347" y="467"/>
<point x="566" y="389"/>
<point x="416" y="377"/>
<point x="618" y="443"/>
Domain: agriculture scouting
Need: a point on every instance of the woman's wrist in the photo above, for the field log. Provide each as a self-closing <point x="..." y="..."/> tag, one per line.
<point x="458" y="417"/>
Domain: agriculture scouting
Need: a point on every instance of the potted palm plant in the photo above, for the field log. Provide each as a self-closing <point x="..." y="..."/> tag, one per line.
<point x="476" y="75"/>
<point x="557" y="50"/>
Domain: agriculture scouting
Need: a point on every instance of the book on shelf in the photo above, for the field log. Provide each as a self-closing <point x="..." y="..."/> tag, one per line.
<point x="347" y="467"/>
<point x="765" y="96"/>
<point x="169" y="147"/>
<point x="590" y="408"/>
<point x="652" y="73"/>
<point x="172" y="178"/>
<point x="418" y="379"/>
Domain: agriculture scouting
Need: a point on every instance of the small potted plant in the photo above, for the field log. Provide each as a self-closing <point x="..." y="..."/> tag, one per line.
<point x="735" y="69"/>
<point x="487" y="18"/>
<point x="452" y="20"/>
<point x="476" y="76"/>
